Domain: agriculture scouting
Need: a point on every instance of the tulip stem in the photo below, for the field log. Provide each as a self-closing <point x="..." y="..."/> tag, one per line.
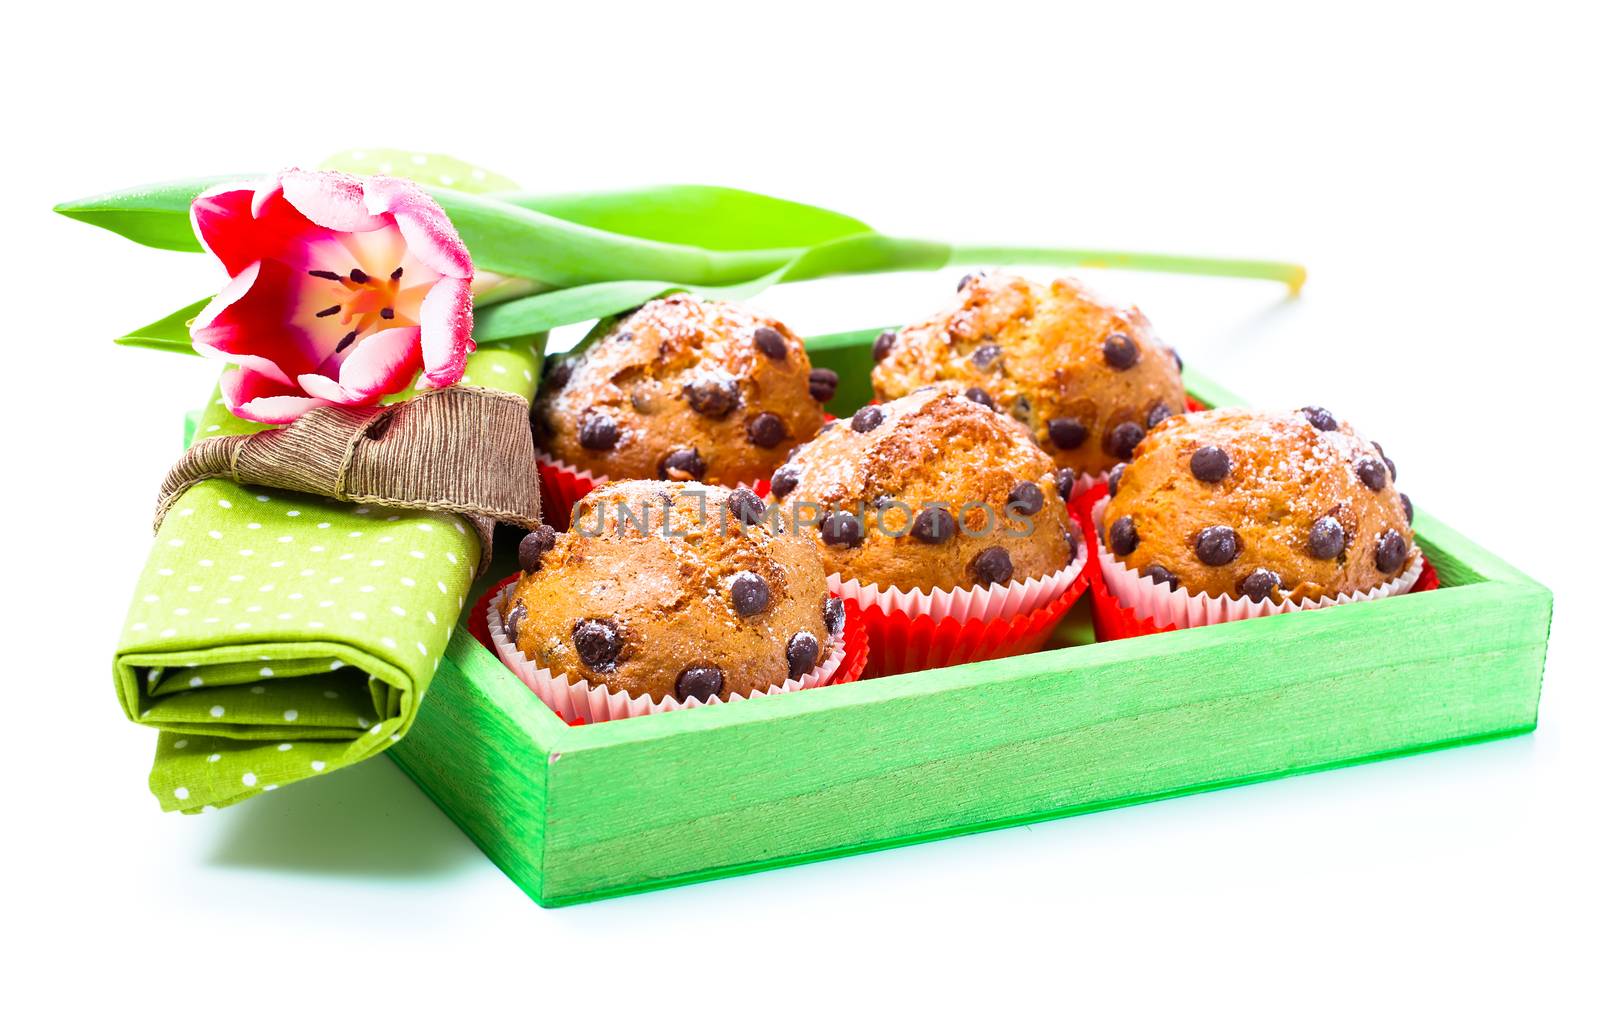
<point x="1292" y="276"/>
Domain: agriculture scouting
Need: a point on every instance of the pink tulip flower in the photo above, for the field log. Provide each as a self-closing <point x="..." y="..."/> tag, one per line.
<point x="343" y="290"/>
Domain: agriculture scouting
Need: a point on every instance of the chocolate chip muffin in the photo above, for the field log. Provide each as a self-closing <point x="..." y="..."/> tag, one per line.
<point x="931" y="491"/>
<point x="1265" y="506"/>
<point x="672" y="590"/>
<point x="683" y="389"/>
<point x="1087" y="379"/>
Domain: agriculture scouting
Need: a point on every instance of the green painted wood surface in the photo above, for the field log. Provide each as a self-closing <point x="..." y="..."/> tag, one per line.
<point x="579" y="813"/>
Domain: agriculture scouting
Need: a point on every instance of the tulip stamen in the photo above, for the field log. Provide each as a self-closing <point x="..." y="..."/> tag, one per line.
<point x="327" y="311"/>
<point x="335" y="276"/>
<point x="358" y="276"/>
<point x="396" y="273"/>
<point x="349" y="338"/>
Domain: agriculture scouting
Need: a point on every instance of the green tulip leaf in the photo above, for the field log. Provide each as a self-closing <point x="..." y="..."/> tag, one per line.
<point x="855" y="255"/>
<point x="513" y="240"/>
<point x="713" y="217"/>
<point x="170" y="333"/>
<point x="156" y="215"/>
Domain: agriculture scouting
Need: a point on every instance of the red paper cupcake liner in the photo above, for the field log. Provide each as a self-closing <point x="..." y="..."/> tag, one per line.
<point x="1113" y="620"/>
<point x="899" y="642"/>
<point x="850" y="669"/>
<point x="561" y="486"/>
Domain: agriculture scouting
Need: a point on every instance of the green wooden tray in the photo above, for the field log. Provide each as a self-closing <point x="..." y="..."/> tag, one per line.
<point x="574" y="814"/>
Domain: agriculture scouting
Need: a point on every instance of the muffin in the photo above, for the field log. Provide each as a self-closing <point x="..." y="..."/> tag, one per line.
<point x="676" y="590"/>
<point x="933" y="491"/>
<point x="1266" y="507"/>
<point x="682" y="389"/>
<point x="1088" y="380"/>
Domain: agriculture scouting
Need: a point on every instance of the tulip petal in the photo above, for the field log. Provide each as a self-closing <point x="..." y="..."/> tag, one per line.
<point x="383" y="363"/>
<point x="446" y="318"/>
<point x="424" y="224"/>
<point x="250" y="323"/>
<point x="248" y="394"/>
<point x="224" y="225"/>
<point x="332" y="200"/>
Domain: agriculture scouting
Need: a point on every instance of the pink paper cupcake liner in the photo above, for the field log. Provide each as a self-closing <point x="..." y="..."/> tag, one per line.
<point x="579" y="703"/>
<point x="1128" y="604"/>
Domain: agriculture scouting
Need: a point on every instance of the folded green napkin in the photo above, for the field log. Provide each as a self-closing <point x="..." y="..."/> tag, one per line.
<point x="275" y="635"/>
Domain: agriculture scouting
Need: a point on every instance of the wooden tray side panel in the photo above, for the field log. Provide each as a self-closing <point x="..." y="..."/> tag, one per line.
<point x="1141" y="719"/>
<point x="472" y="751"/>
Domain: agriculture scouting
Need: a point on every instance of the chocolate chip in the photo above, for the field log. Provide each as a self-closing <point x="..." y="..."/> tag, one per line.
<point x="1320" y="417"/>
<point x="841" y="529"/>
<point x="1120" y="352"/>
<point x="979" y="395"/>
<point x="933" y="525"/>
<point x="531" y="551"/>
<point x="802" y="652"/>
<point x="1405" y="502"/>
<point x="713" y="397"/>
<point x="867" y="419"/>
<point x="984" y="356"/>
<point x="643" y="399"/>
<point x="1114" y="480"/>
<point x="1025" y="498"/>
<point x="833" y="615"/>
<point x="1259" y="584"/>
<point x="1178" y="360"/>
<point x="1210" y="464"/>
<point x="770" y="342"/>
<point x="1121" y="440"/>
<point x="1216" y="545"/>
<point x="744" y="505"/>
<point x="1123" y="537"/>
<point x="882" y="345"/>
<point x="1072" y="546"/>
<point x="992" y="565"/>
<point x="750" y="593"/>
<point x="1159" y="575"/>
<point x="598" y="642"/>
<point x="784" y="480"/>
<point x="1066" y="433"/>
<point x="1066" y="478"/>
<point x="965" y="281"/>
<point x="1372" y="473"/>
<point x="824" y="383"/>
<point x="698" y="682"/>
<point x="1158" y="414"/>
<point x="1022" y="409"/>
<point x="1327" y="538"/>
<point x="513" y="621"/>
<point x="1392" y="551"/>
<point x="766" y="430"/>
<point x="598" y="432"/>
<point x="682" y="465"/>
<point x="1387" y="463"/>
<point x="558" y="376"/>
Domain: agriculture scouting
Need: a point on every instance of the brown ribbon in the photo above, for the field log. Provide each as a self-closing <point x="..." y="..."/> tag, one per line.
<point x="465" y="450"/>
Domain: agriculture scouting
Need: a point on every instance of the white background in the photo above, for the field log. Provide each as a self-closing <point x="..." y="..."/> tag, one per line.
<point x="1434" y="168"/>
